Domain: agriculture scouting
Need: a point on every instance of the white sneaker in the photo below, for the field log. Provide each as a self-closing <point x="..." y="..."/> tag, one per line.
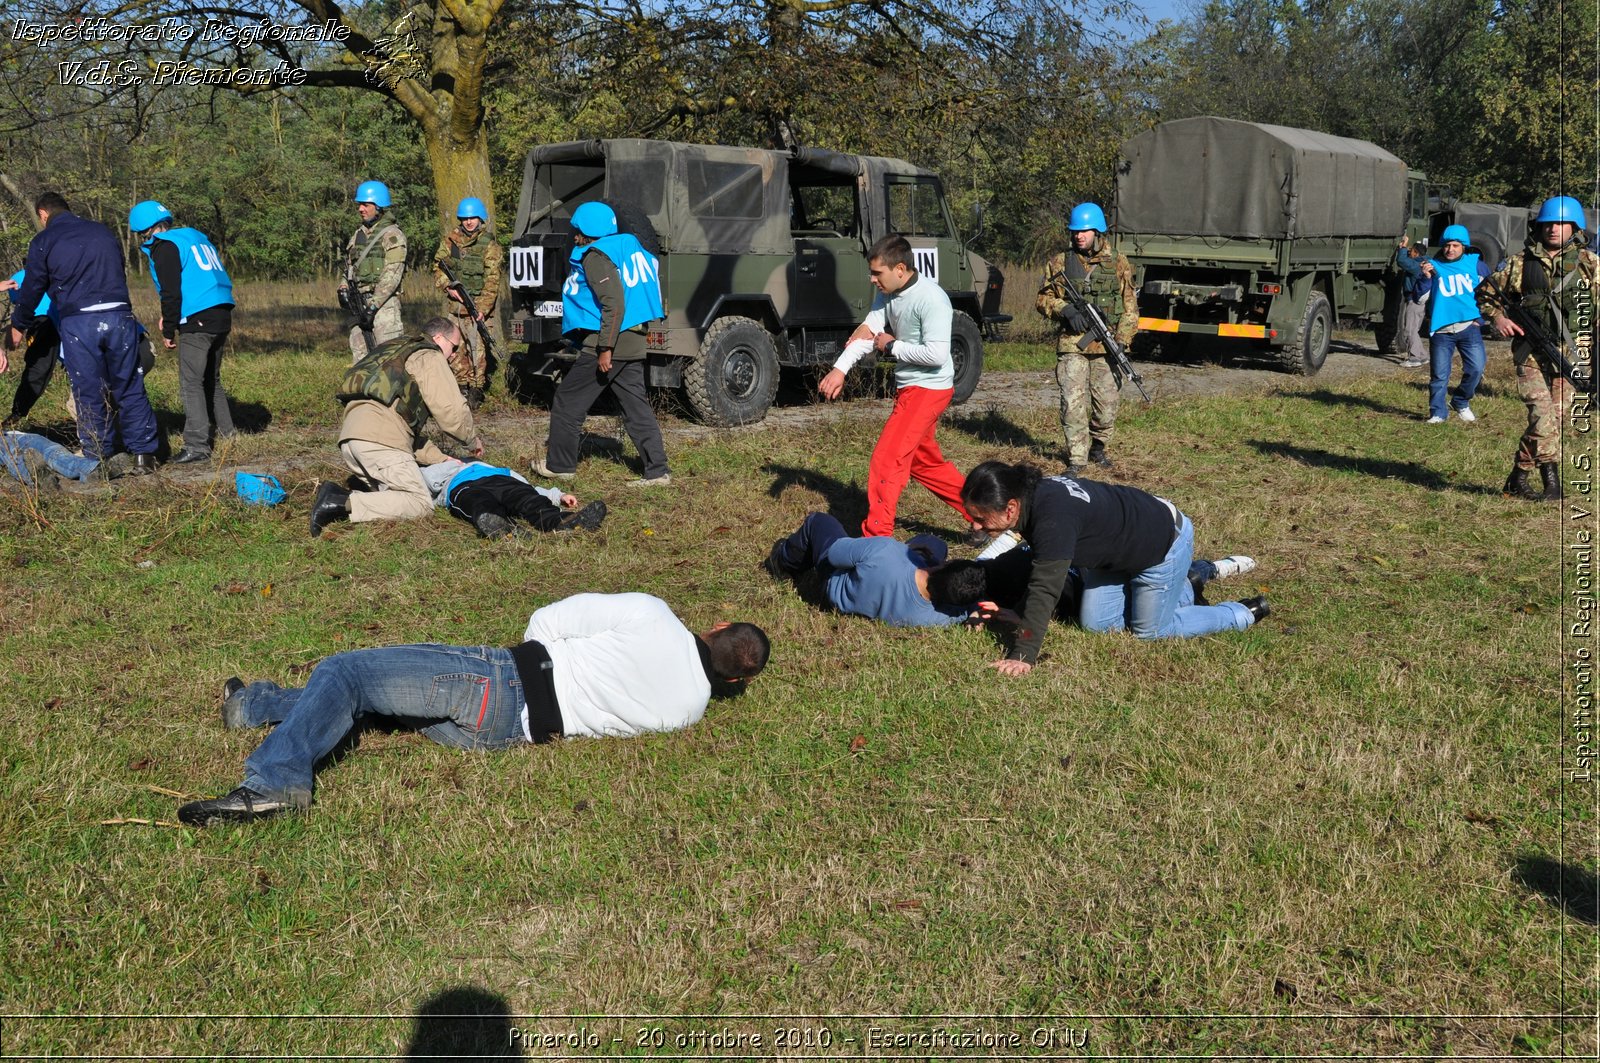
<point x="1412" y="363"/>
<point x="1466" y="414"/>
<point x="1435" y="420"/>
<point x="1233" y="565"/>
<point x="664" y="480"/>
<point x="1003" y="543"/>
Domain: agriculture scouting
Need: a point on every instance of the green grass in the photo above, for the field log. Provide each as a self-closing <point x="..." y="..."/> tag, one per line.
<point x="1332" y="813"/>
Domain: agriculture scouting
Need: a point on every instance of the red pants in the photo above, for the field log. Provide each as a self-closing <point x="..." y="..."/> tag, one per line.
<point x="906" y="450"/>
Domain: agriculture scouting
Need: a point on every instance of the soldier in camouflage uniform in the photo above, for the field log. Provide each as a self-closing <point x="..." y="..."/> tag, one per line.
<point x="1554" y="277"/>
<point x="471" y="253"/>
<point x="1088" y="390"/>
<point x="374" y="264"/>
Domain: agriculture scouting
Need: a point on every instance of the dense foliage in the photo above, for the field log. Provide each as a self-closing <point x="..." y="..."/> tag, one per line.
<point x="1020" y="104"/>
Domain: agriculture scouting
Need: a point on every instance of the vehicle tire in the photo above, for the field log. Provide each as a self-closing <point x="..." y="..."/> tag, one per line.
<point x="1310" y="347"/>
<point x="635" y="221"/>
<point x="734" y="378"/>
<point x="966" y="351"/>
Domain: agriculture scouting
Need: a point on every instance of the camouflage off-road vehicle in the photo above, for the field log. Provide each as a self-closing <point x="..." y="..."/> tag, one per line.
<point x="761" y="259"/>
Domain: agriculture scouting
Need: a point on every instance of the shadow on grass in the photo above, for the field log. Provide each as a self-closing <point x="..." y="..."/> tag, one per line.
<point x="994" y="427"/>
<point x="848" y="503"/>
<point x="1382" y="469"/>
<point x="1571" y="887"/>
<point x="1335" y="398"/>
<point x="463" y="1023"/>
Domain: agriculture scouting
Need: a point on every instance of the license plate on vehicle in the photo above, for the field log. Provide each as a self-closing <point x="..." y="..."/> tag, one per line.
<point x="548" y="308"/>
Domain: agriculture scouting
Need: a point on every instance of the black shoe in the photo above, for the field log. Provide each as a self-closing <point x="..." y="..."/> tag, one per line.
<point x="1097" y="454"/>
<point x="233" y="705"/>
<point x="473" y="395"/>
<point x="1075" y="468"/>
<point x="1518" y="485"/>
<point x="187" y="456"/>
<point x="1550" y="472"/>
<point x="1259" y="609"/>
<point x="775" y="564"/>
<point x="586" y="519"/>
<point x="492" y="525"/>
<point x="1199" y="588"/>
<point x="143" y="465"/>
<point x="240" y="806"/>
<point x="332" y="503"/>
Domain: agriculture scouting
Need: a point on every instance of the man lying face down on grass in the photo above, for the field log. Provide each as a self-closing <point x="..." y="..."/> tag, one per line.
<point x="591" y="665"/>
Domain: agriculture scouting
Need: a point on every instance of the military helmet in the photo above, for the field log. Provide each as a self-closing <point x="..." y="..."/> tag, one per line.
<point x="145" y="214"/>
<point x="1560" y="208"/>
<point x="1458" y="233"/>
<point x="594" y="220"/>
<point x="374" y="192"/>
<point x="1087" y="216"/>
<point x="472" y="207"/>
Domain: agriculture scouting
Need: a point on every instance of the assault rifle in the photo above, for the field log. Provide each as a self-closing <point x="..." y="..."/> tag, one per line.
<point x="1082" y="310"/>
<point x="1543" y="345"/>
<point x="460" y="289"/>
<point x="354" y="301"/>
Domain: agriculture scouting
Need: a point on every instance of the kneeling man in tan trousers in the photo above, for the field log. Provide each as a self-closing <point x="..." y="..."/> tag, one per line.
<point x="389" y="396"/>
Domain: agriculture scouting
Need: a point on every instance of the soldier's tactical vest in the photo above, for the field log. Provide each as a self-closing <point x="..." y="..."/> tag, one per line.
<point x="1099" y="287"/>
<point x="381" y="376"/>
<point x="641" y="285"/>
<point x="203" y="283"/>
<point x="1563" y="304"/>
<point x="366" y="255"/>
<point x="466" y="259"/>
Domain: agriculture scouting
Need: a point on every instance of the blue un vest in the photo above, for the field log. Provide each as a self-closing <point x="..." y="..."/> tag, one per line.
<point x="1454" y="283"/>
<point x="43" y="309"/>
<point x="204" y="282"/>
<point x="641" y="285"/>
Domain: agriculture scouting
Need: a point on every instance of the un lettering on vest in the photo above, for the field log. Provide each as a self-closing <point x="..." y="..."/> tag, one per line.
<point x="639" y="268"/>
<point x="1454" y="284"/>
<point x="205" y="256"/>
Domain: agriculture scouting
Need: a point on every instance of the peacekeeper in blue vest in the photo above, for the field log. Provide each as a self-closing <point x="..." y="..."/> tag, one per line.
<point x="612" y="291"/>
<point x="1453" y="323"/>
<point x="41" y="349"/>
<point x="78" y="263"/>
<point x="196" y="317"/>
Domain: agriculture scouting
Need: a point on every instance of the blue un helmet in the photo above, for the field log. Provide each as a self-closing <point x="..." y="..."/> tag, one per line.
<point x="1087" y="216"/>
<point x="595" y="220"/>
<point x="148" y="213"/>
<point x="374" y="192"/>
<point x="472" y="207"/>
<point x="1560" y="208"/>
<point x="1458" y="233"/>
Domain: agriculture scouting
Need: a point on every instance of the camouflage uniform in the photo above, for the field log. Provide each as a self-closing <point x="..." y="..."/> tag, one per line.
<point x="477" y="260"/>
<point x="1574" y="271"/>
<point x="1088" y="390"/>
<point x="378" y="274"/>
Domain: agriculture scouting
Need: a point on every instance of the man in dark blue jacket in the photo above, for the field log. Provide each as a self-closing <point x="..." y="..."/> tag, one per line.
<point x="79" y="264"/>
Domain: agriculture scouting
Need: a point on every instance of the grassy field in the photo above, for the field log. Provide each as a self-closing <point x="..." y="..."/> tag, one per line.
<point x="1338" y="833"/>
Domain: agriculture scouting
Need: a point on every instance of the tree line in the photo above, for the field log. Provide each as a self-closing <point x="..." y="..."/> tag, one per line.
<point x="1021" y="105"/>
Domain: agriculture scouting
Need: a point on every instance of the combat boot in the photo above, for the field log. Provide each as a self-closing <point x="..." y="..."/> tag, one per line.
<point x="1097" y="454"/>
<point x="1517" y="485"/>
<point x="1551" y="473"/>
<point x="332" y="503"/>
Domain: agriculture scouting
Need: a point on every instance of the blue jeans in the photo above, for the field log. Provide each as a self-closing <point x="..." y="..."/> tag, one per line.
<point x="1469" y="341"/>
<point x="1151" y="603"/>
<point x="101" y="353"/>
<point x="459" y="696"/>
<point x="61" y="460"/>
<point x="808" y="546"/>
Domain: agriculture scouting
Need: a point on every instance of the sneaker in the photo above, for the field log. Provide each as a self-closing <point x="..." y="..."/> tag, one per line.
<point x="1233" y="565"/>
<point x="541" y="469"/>
<point x="586" y="519"/>
<point x="240" y="806"/>
<point x="233" y="718"/>
<point x="1412" y="363"/>
<point x="1003" y="543"/>
<point x="492" y="526"/>
<point x="1466" y="414"/>
<point x="664" y="480"/>
<point x="775" y="564"/>
<point x="1434" y="420"/>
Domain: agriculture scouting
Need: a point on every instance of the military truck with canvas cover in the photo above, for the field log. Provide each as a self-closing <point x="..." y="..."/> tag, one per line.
<point x="761" y="259"/>
<point x="1262" y="232"/>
